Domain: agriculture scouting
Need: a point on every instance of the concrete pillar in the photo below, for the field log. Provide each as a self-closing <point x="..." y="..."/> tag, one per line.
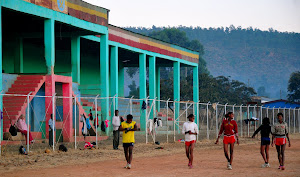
<point x="176" y="83"/>
<point x="121" y="80"/>
<point x="152" y="83"/>
<point x="104" y="76"/>
<point x="158" y="88"/>
<point x="67" y="112"/>
<point x="49" y="91"/>
<point x="1" y="98"/>
<point x="49" y="40"/>
<point x="114" y="69"/>
<point x="75" y="58"/>
<point x="143" y="91"/>
<point x="196" y="91"/>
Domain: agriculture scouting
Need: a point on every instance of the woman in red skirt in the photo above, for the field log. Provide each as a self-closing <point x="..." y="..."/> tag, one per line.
<point x="230" y="130"/>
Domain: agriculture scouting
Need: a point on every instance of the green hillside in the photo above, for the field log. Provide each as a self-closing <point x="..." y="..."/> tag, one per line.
<point x="260" y="58"/>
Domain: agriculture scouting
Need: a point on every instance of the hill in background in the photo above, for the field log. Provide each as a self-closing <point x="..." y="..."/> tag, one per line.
<point x="259" y="58"/>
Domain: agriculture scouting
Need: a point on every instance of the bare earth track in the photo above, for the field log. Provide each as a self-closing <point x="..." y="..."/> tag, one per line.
<point x="148" y="161"/>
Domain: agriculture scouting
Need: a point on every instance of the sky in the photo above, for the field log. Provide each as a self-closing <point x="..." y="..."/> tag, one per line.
<point x="281" y="15"/>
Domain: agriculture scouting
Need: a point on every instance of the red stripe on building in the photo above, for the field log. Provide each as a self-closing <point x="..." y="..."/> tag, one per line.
<point x="88" y="17"/>
<point x="149" y="48"/>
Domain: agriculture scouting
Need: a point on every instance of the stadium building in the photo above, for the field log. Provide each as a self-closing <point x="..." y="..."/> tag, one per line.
<point x="68" y="48"/>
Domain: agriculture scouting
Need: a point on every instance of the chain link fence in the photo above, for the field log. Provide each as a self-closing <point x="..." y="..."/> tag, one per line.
<point x="88" y="118"/>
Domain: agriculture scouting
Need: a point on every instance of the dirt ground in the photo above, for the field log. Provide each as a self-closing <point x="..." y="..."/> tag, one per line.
<point x="209" y="160"/>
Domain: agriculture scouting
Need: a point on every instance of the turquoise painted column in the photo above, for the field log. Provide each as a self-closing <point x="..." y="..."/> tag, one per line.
<point x="114" y="88"/>
<point x="143" y="91"/>
<point x="104" y="76"/>
<point x="176" y="83"/>
<point x="75" y="58"/>
<point x="19" y="56"/>
<point x="196" y="91"/>
<point x="1" y="98"/>
<point x="152" y="80"/>
<point x="158" y="88"/>
<point x="121" y="80"/>
<point x="49" y="40"/>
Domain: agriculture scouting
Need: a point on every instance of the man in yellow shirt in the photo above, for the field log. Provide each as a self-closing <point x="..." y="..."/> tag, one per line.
<point x="128" y="129"/>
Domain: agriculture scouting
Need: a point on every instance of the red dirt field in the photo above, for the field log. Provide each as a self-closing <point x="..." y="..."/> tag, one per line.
<point x="208" y="161"/>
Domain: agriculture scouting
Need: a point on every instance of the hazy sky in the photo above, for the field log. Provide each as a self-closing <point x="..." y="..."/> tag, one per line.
<point x="282" y="15"/>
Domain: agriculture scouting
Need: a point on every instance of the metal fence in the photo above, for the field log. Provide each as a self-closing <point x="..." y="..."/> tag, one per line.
<point x="68" y="113"/>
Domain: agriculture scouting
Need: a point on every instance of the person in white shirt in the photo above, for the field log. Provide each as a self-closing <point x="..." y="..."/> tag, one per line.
<point x="190" y="129"/>
<point x="51" y="129"/>
<point x="116" y="121"/>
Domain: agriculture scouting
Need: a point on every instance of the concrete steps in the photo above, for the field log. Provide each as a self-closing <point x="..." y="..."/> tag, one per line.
<point x="14" y="106"/>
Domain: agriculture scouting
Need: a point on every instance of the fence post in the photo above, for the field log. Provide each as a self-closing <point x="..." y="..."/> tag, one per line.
<point x="284" y="114"/>
<point x="174" y="108"/>
<point x="241" y="118"/>
<point x="146" y="129"/>
<point x="248" y="117"/>
<point x="261" y="114"/>
<point x="299" y="120"/>
<point x="154" y="113"/>
<point x="186" y="111"/>
<point x="198" y="121"/>
<point x="54" y="119"/>
<point x="96" y="117"/>
<point x="273" y="114"/>
<point x="167" y="120"/>
<point x="217" y="119"/>
<point x="207" y="131"/>
<point x="289" y="120"/>
<point x="75" y="117"/>
<point x="130" y="103"/>
<point x="28" y="105"/>
<point x="294" y="120"/>
<point x="225" y="108"/>
<point x="233" y="108"/>
<point x="255" y="116"/>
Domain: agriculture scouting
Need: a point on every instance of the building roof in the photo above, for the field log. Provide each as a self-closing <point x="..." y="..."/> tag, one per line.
<point x="99" y="15"/>
<point x="281" y="100"/>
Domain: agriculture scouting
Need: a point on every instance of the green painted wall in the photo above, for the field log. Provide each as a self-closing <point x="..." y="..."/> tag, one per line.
<point x="8" y="56"/>
<point x="63" y="62"/>
<point x="33" y="49"/>
<point x="89" y="73"/>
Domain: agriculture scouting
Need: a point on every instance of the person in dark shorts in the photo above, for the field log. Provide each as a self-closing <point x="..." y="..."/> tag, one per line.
<point x="265" y="131"/>
<point x="128" y="127"/>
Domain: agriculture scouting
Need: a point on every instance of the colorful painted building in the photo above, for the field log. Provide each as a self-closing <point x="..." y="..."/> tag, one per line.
<point x="68" y="48"/>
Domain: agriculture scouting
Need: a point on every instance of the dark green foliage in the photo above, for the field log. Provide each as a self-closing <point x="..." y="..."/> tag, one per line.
<point x="131" y="71"/>
<point x="179" y="37"/>
<point x="134" y="90"/>
<point x="266" y="58"/>
<point x="261" y="91"/>
<point x="220" y="89"/>
<point x="294" y="87"/>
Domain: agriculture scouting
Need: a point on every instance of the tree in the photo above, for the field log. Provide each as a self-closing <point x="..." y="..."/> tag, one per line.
<point x="134" y="91"/>
<point x="215" y="89"/>
<point x="261" y="91"/>
<point x="294" y="87"/>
